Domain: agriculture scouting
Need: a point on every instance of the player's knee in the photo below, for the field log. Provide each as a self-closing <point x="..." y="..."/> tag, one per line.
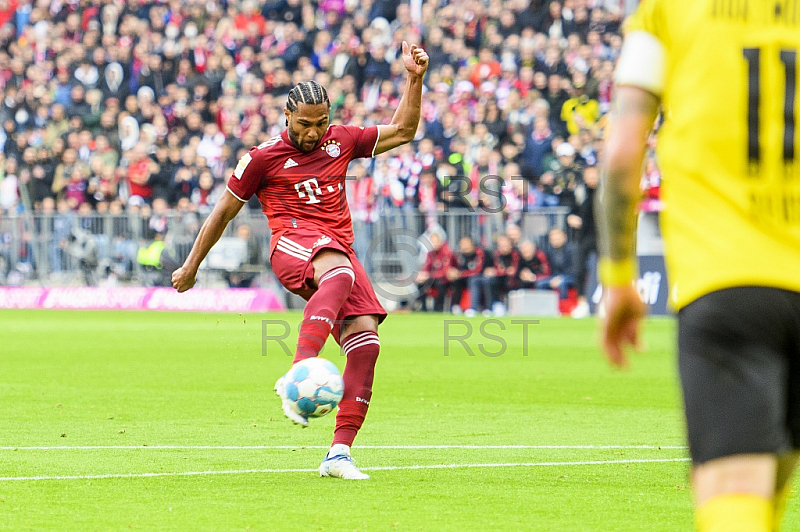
<point x="343" y="275"/>
<point x="360" y="324"/>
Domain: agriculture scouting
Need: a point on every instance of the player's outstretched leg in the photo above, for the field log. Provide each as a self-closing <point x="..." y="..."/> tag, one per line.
<point x="334" y="287"/>
<point x="362" y="349"/>
<point x="334" y="278"/>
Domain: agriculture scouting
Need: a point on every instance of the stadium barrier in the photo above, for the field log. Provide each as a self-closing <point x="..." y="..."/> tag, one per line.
<point x="39" y="253"/>
<point x="131" y="249"/>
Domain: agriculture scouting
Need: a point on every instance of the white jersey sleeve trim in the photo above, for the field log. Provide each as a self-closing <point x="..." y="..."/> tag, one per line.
<point x="234" y="195"/>
<point x="642" y="63"/>
<point x="378" y="129"/>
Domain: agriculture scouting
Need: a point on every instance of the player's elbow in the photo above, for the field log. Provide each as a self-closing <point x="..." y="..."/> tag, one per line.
<point x="220" y="217"/>
<point x="405" y="134"/>
<point x="624" y="157"/>
<point x="226" y="218"/>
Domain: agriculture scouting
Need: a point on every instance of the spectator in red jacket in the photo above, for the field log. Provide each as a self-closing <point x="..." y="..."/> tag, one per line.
<point x="487" y="68"/>
<point x="432" y="278"/>
<point x="468" y="272"/>
<point x="139" y="172"/>
<point x="7" y="10"/>
<point x="250" y="19"/>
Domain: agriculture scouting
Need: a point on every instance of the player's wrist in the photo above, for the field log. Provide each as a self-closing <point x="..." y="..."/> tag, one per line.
<point x="614" y="273"/>
<point x="190" y="268"/>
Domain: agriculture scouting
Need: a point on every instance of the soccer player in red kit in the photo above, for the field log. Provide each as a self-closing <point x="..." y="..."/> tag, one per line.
<point x="299" y="177"/>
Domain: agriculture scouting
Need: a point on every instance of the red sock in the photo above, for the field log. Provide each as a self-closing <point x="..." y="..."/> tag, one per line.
<point x="321" y="309"/>
<point x="362" y="350"/>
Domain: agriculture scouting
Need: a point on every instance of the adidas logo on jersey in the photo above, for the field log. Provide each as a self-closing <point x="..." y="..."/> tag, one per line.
<point x="289" y="163"/>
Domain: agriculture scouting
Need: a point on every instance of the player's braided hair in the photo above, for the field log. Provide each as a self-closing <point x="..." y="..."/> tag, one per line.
<point x="309" y="92"/>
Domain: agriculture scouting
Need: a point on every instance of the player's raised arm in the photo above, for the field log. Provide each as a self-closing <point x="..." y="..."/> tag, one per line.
<point x="405" y="121"/>
<point x="633" y="113"/>
<point x="226" y="210"/>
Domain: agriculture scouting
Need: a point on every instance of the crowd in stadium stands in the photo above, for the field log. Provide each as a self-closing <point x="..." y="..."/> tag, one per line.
<point x="112" y="106"/>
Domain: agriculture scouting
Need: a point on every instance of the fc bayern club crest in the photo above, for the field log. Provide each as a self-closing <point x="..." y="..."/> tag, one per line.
<point x="333" y="150"/>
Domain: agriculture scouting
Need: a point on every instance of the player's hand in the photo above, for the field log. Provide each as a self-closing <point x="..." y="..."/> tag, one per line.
<point x="183" y="279"/>
<point x="620" y="327"/>
<point x="415" y="59"/>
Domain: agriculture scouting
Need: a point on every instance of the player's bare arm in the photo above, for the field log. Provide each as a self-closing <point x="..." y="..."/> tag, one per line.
<point x="405" y="121"/>
<point x="634" y="111"/>
<point x="226" y="210"/>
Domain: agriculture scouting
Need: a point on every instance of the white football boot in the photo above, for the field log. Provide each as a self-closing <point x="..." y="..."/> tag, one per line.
<point x="498" y="309"/>
<point x="339" y="464"/>
<point x="581" y="310"/>
<point x="286" y="404"/>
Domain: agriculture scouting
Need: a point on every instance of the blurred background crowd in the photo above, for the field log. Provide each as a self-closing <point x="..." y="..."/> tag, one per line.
<point x="138" y="106"/>
<point x="110" y="105"/>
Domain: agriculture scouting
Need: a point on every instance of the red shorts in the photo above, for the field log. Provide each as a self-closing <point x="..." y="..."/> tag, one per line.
<point x="292" y="253"/>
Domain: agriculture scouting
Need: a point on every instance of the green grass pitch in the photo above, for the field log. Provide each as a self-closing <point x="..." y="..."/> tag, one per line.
<point x="166" y="421"/>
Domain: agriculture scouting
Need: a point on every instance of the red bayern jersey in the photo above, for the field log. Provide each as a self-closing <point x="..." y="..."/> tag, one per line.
<point x="304" y="190"/>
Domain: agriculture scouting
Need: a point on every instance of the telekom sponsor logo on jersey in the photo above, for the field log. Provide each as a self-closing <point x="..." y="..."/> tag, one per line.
<point x="310" y="189"/>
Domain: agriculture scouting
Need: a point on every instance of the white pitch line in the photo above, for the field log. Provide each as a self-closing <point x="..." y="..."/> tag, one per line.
<point x="378" y="468"/>
<point x="286" y="447"/>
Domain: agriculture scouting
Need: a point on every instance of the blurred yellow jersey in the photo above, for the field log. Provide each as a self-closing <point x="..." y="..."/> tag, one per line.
<point x="728" y="149"/>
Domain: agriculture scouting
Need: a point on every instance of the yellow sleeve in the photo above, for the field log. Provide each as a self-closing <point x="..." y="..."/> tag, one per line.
<point x="642" y="62"/>
<point x="648" y="17"/>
